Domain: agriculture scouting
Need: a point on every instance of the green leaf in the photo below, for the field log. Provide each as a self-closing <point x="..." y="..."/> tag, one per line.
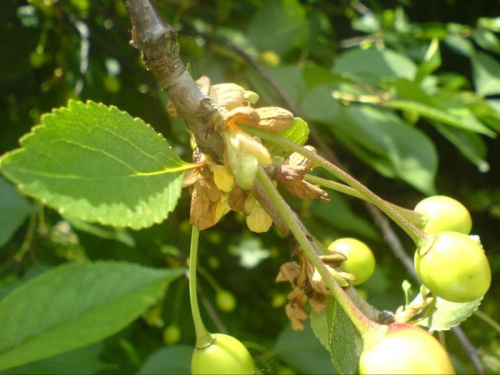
<point x="372" y="65"/>
<point x="279" y="25"/>
<point x="288" y="77"/>
<point x="116" y="234"/>
<point x="336" y="332"/>
<point x="79" y="361"/>
<point x="98" y="164"/>
<point x="378" y="137"/>
<point x="470" y="144"/>
<point x="487" y="40"/>
<point x="14" y="209"/>
<point x="170" y="360"/>
<point x="410" y="90"/>
<point x="303" y="351"/>
<point x="486" y="73"/>
<point x="339" y="215"/>
<point x="460" y="118"/>
<point x="297" y="132"/>
<point x="316" y="76"/>
<point x="492" y="24"/>
<point x="432" y="60"/>
<point x="460" y="45"/>
<point x="449" y="314"/>
<point x="75" y="305"/>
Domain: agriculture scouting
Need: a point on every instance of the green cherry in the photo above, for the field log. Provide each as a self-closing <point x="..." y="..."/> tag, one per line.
<point x="441" y="213"/>
<point x="454" y="268"/>
<point x="405" y="349"/>
<point x="225" y="355"/>
<point x="171" y="334"/>
<point x="225" y="301"/>
<point x="360" y="260"/>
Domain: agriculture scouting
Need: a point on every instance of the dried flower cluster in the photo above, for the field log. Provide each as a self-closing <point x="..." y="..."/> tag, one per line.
<point x="308" y="286"/>
<point x="217" y="189"/>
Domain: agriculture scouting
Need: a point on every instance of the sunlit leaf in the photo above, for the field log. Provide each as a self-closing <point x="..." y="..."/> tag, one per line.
<point x="98" y="164"/>
<point x="337" y="333"/>
<point x="297" y="132"/>
<point x="486" y="74"/>
<point x="460" y="118"/>
<point x="449" y="314"/>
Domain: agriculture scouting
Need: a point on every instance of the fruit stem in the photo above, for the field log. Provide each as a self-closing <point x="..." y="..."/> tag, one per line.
<point x="410" y="215"/>
<point x="203" y="272"/>
<point x="364" y="325"/>
<point x="203" y="337"/>
<point x="421" y="239"/>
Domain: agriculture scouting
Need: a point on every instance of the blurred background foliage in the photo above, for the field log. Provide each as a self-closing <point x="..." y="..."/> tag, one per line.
<point x="415" y="110"/>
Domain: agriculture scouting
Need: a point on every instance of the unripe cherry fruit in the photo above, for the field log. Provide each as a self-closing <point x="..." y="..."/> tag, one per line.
<point x="225" y="355"/>
<point x="442" y="214"/>
<point x="405" y="349"/>
<point x="171" y="334"/>
<point x="455" y="268"/>
<point x="225" y="301"/>
<point x="360" y="260"/>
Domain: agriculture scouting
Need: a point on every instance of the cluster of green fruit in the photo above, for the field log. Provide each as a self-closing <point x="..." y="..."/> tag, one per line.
<point x="453" y="266"/>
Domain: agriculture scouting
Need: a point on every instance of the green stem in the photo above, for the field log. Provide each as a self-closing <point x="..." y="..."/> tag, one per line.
<point x="421" y="239"/>
<point x="410" y="215"/>
<point x="203" y="337"/>
<point x="203" y="272"/>
<point x="364" y="325"/>
<point x="488" y="320"/>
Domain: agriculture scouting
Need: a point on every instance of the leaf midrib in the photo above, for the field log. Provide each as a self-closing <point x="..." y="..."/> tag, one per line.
<point x="181" y="168"/>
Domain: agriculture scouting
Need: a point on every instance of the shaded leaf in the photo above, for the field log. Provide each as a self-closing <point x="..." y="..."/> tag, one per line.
<point x="449" y="314"/>
<point x="279" y="26"/>
<point x="116" y="234"/>
<point x="371" y="65"/>
<point x="75" y="305"/>
<point x="170" y="360"/>
<point x="470" y="145"/>
<point x="98" y="164"/>
<point x="339" y="215"/>
<point x="303" y="351"/>
<point x="378" y="137"/>
<point x="317" y="76"/>
<point x="14" y="209"/>
<point x="80" y="361"/>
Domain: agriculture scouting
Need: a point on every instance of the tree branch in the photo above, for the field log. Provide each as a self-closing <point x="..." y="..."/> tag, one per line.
<point x="158" y="43"/>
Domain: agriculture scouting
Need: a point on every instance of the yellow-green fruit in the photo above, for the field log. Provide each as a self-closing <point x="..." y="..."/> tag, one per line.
<point x="360" y="260"/>
<point x="171" y="334"/>
<point x="225" y="301"/>
<point x="226" y="355"/>
<point x="455" y="268"/>
<point x="405" y="349"/>
<point x="441" y="213"/>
